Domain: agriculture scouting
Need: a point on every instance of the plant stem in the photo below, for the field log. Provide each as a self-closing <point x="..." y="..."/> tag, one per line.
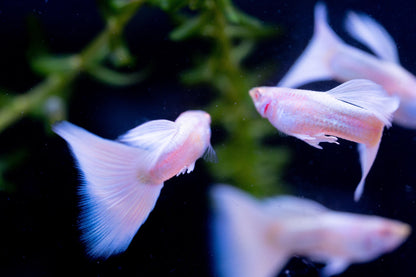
<point x="92" y="54"/>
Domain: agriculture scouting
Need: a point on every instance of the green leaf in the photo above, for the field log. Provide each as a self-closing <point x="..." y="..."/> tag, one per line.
<point x="171" y="5"/>
<point x="190" y="27"/>
<point x="242" y="51"/>
<point x="48" y="64"/>
<point x="111" y="77"/>
<point x="120" y="54"/>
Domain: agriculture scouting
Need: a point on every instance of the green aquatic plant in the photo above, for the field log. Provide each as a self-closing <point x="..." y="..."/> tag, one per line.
<point x="228" y="37"/>
<point x="232" y="36"/>
<point x="61" y="71"/>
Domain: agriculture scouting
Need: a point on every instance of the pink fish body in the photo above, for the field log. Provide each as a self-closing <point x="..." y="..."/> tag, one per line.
<point x="123" y="178"/>
<point x="328" y="57"/>
<point x="357" y="111"/>
<point x="257" y="238"/>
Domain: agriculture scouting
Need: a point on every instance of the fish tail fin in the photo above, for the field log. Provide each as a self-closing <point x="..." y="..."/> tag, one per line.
<point x="367" y="156"/>
<point x="239" y="231"/>
<point x="115" y="198"/>
<point x="313" y="64"/>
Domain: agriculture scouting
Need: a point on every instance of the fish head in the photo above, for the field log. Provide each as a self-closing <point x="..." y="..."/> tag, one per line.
<point x="261" y="100"/>
<point x="378" y="236"/>
<point x="196" y="124"/>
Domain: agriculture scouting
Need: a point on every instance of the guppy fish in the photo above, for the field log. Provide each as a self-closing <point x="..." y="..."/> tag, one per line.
<point x="257" y="238"/>
<point x="123" y="178"/>
<point x="328" y="57"/>
<point x="356" y="110"/>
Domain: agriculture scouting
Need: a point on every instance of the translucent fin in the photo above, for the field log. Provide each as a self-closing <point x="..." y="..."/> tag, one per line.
<point x="210" y="155"/>
<point x="367" y="31"/>
<point x="151" y="134"/>
<point x="115" y="197"/>
<point x="316" y="139"/>
<point x="187" y="169"/>
<point x="289" y="206"/>
<point x="367" y="95"/>
<point x="367" y="156"/>
<point x="240" y="247"/>
<point x="405" y="115"/>
<point x="313" y="64"/>
<point x="334" y="267"/>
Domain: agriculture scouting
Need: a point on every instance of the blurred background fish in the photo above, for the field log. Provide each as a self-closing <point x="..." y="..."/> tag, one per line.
<point x="357" y="111"/>
<point x="251" y="237"/>
<point x="122" y="179"/>
<point x="328" y="57"/>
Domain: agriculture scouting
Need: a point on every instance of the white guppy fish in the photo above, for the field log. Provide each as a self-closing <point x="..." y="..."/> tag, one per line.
<point x="257" y="238"/>
<point x="328" y="57"/>
<point x="123" y="178"/>
<point x="357" y="111"/>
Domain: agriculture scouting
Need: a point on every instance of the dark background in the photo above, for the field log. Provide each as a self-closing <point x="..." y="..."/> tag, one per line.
<point x="39" y="235"/>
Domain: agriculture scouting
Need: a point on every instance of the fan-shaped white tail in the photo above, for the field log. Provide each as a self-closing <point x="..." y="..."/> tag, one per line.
<point x="116" y="196"/>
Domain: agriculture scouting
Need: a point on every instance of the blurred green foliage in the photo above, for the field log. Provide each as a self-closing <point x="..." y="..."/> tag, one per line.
<point x="231" y="36"/>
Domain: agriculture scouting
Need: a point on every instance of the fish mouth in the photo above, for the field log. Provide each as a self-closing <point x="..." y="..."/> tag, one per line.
<point x="255" y="93"/>
<point x="397" y="234"/>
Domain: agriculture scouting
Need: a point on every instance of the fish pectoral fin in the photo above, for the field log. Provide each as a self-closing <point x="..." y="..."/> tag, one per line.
<point x="210" y="155"/>
<point x="335" y="267"/>
<point x="316" y="139"/>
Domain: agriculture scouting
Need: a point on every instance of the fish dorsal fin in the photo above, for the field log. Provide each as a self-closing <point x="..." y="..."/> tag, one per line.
<point x="369" y="96"/>
<point x="116" y="196"/>
<point x="150" y="135"/>
<point x="291" y="205"/>
<point x="369" y="32"/>
<point x="313" y="65"/>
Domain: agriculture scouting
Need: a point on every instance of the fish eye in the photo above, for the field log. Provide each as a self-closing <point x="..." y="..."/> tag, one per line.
<point x="257" y="94"/>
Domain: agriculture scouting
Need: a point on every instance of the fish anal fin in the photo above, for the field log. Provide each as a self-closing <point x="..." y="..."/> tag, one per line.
<point x="316" y="139"/>
<point x="187" y="169"/>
